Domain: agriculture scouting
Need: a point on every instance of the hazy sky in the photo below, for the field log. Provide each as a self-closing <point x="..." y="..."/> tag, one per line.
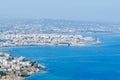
<point x="86" y="10"/>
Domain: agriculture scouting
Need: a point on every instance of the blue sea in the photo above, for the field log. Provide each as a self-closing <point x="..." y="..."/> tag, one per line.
<point x="95" y="62"/>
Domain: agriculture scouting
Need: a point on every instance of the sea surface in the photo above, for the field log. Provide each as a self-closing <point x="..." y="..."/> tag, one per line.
<point x="94" y="62"/>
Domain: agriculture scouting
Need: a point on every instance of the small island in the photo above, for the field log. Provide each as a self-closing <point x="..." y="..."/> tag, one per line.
<point x="17" y="68"/>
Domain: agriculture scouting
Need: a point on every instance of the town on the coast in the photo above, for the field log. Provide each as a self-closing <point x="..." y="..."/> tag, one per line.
<point x="46" y="39"/>
<point x="48" y="32"/>
<point x="17" y="68"/>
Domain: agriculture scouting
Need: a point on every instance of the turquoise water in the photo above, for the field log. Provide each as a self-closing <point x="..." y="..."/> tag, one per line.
<point x="99" y="62"/>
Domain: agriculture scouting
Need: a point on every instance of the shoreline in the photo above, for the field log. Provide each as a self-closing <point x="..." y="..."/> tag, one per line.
<point x="41" y="46"/>
<point x="17" y="68"/>
<point x="45" y="40"/>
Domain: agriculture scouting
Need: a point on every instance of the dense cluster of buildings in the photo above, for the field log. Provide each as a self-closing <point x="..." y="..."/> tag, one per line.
<point x="51" y="32"/>
<point x="13" y="68"/>
<point x="56" y="26"/>
<point x="44" y="39"/>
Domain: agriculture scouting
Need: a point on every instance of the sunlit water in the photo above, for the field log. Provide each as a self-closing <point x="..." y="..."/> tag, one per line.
<point x="99" y="62"/>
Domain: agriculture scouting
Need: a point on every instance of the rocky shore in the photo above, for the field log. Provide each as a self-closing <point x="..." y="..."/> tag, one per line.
<point x="17" y="68"/>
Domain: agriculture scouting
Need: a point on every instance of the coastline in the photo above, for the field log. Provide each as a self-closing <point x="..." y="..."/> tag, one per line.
<point x="45" y="40"/>
<point x="77" y="45"/>
<point x="17" y="68"/>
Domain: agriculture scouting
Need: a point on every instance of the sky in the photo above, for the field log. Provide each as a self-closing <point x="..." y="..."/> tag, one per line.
<point x="83" y="10"/>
